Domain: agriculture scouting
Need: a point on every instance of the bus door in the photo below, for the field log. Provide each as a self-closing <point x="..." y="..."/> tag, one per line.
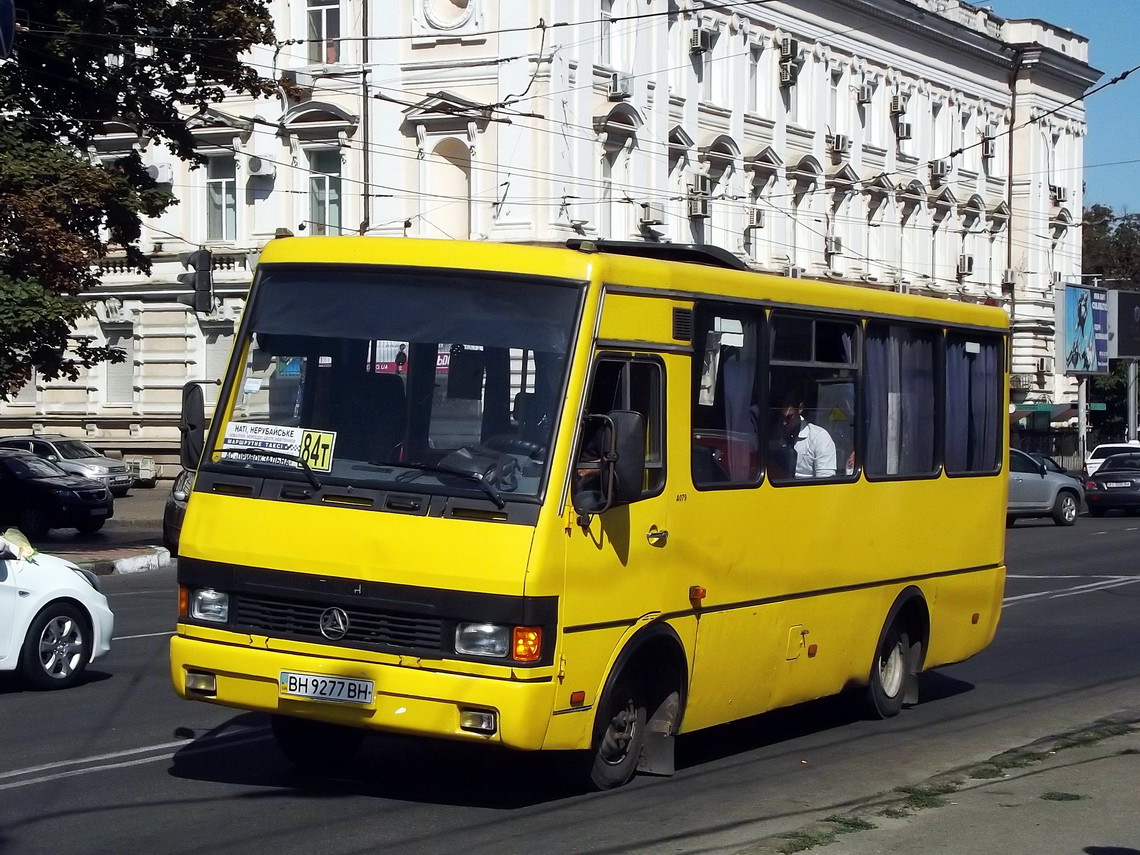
<point x="621" y="569"/>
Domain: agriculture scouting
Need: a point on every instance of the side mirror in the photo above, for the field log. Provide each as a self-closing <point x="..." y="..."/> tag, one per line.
<point x="192" y="425"/>
<point x="52" y="458"/>
<point x="611" y="462"/>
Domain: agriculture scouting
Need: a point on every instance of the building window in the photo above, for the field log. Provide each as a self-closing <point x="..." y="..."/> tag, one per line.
<point x="221" y="199"/>
<point x="324" y="32"/>
<point x="27" y="393"/>
<point x="754" y="79"/>
<point x="606" y="34"/>
<point x="324" y="192"/>
<point x="121" y="375"/>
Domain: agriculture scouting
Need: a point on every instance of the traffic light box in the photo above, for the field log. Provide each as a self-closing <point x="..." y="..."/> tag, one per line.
<point x="199" y="279"/>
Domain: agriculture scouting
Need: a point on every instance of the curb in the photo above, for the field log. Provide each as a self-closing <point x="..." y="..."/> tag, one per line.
<point x="153" y="558"/>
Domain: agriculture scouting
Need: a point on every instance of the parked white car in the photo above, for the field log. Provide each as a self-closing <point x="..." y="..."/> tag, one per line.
<point x="54" y="620"/>
<point x="1105" y="450"/>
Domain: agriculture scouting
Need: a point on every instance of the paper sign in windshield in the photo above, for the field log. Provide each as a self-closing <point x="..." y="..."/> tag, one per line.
<point x="315" y="447"/>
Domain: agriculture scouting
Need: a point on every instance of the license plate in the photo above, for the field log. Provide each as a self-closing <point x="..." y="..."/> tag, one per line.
<point x="320" y="687"/>
<point x="99" y="512"/>
<point x="1118" y="484"/>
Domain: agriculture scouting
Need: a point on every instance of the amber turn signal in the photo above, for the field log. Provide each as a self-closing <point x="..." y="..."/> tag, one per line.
<point x="697" y="592"/>
<point x="527" y="643"/>
<point x="183" y="601"/>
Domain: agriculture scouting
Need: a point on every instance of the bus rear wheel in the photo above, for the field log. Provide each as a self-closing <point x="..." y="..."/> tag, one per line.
<point x="890" y="674"/>
<point x="619" y="745"/>
<point x="316" y="746"/>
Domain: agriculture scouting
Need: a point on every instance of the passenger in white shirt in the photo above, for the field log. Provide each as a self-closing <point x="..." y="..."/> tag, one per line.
<point x="814" y="447"/>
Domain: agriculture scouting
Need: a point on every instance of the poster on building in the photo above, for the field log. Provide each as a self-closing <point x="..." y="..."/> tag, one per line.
<point x="1126" y="342"/>
<point x="1083" y="329"/>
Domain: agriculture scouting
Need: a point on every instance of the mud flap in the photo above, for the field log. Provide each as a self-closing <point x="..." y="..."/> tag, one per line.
<point x="657" y="751"/>
<point x="913" y="665"/>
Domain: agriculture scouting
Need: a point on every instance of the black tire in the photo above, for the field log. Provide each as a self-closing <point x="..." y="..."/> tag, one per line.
<point x="1096" y="512"/>
<point x="316" y="747"/>
<point x="620" y="735"/>
<point x="120" y="492"/>
<point x="90" y="526"/>
<point x="34" y="522"/>
<point x="890" y="674"/>
<point x="1065" y="508"/>
<point x="57" y="648"/>
<point x="1009" y="521"/>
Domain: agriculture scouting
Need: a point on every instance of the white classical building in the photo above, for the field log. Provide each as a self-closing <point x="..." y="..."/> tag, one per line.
<point x="919" y="145"/>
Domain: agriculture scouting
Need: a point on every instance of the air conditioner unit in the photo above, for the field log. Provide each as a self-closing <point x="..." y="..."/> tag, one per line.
<point x="1009" y="277"/>
<point x="621" y="86"/>
<point x="841" y="143"/>
<point x="939" y="169"/>
<point x="903" y="131"/>
<point x="789" y="48"/>
<point x="965" y="265"/>
<point x="1056" y="277"/>
<point x="833" y="245"/>
<point x="755" y="218"/>
<point x="652" y="215"/>
<point x="788" y="73"/>
<point x="698" y="207"/>
<point x="898" y="104"/>
<point x="260" y="166"/>
<point x="1058" y="194"/>
<point x="297" y="79"/>
<point x="793" y="271"/>
<point x="1019" y="381"/>
<point x="864" y="94"/>
<point x="162" y="173"/>
<point x="700" y="40"/>
<point x="1045" y="365"/>
<point x="989" y="147"/>
<point x="701" y="186"/>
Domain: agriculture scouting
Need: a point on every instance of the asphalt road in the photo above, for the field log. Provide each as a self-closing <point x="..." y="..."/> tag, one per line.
<point x="120" y="764"/>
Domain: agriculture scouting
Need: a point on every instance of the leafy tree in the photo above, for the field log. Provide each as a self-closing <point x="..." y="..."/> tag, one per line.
<point x="78" y="64"/>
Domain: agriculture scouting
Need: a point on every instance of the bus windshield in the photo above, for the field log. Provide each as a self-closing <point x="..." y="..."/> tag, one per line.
<point x="438" y="382"/>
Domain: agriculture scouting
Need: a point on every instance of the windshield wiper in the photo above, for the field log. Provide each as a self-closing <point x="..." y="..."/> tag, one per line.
<point x="277" y="455"/>
<point x="446" y="470"/>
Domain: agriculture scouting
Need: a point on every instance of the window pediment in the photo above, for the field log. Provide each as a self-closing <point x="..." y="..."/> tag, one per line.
<point x="216" y="130"/>
<point x="319" y="120"/>
<point x="443" y="112"/>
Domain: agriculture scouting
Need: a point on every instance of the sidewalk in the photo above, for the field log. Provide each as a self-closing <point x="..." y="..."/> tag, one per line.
<point x="1076" y="793"/>
<point x="130" y="542"/>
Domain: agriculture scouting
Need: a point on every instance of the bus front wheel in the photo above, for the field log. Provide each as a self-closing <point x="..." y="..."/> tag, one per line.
<point x="890" y="672"/>
<point x="316" y="746"/>
<point x="619" y="744"/>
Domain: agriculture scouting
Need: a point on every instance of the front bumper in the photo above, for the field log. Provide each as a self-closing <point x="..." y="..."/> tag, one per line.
<point x="103" y="625"/>
<point x="409" y="699"/>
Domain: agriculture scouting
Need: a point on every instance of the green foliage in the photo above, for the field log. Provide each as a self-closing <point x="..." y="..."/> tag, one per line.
<point x="145" y="63"/>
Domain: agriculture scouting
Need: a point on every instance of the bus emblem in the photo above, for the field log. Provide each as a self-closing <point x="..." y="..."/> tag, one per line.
<point x="334" y="624"/>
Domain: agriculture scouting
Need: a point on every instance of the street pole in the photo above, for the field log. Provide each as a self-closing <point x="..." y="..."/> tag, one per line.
<point x="1131" y="399"/>
<point x="1082" y="416"/>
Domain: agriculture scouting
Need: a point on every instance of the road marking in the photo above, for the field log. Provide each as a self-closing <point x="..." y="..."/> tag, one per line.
<point x="189" y="747"/>
<point x="1076" y="590"/>
<point x="144" y="635"/>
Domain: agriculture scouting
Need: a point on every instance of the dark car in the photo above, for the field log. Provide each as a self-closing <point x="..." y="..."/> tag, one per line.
<point x="76" y="458"/>
<point x="36" y="495"/>
<point x="175" y="509"/>
<point x="1115" y="485"/>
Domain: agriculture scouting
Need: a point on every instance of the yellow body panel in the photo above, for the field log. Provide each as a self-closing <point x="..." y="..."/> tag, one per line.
<point x="798" y="580"/>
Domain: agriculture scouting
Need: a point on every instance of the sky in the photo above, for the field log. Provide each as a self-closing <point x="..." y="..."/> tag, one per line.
<point x="1114" y="114"/>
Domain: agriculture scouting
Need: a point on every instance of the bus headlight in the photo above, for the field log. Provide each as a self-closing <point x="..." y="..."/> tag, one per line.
<point x="210" y="605"/>
<point x="483" y="639"/>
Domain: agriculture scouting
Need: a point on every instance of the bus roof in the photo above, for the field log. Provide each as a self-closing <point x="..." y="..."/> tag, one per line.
<point x="676" y="269"/>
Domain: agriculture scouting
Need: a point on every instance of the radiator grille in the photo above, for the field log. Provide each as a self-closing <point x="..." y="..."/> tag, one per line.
<point x="281" y="617"/>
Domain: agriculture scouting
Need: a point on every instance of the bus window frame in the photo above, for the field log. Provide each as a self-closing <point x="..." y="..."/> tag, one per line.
<point x="1003" y="340"/>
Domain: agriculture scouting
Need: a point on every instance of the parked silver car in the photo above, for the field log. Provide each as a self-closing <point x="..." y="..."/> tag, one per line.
<point x="1035" y="491"/>
<point x="75" y="457"/>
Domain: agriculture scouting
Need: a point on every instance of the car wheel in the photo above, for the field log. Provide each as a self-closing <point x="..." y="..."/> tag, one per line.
<point x="56" y="648"/>
<point x="316" y="747"/>
<point x="889" y="675"/>
<point x="618" y="746"/>
<point x="34" y="522"/>
<point x="1065" y="508"/>
<point x="120" y="492"/>
<point x="90" y="526"/>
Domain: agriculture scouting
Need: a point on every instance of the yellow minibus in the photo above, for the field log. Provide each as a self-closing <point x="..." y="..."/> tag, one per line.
<point x="583" y="497"/>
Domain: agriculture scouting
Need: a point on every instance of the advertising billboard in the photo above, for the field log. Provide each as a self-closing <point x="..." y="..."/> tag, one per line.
<point x="1127" y="326"/>
<point x="1083" y="330"/>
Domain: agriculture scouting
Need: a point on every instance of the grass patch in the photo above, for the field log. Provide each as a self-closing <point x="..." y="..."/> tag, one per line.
<point x="1054" y="796"/>
<point x="1094" y="735"/>
<point x="1018" y="759"/>
<point x="1127" y="751"/>
<point x="848" y="824"/>
<point x="801" y="841"/>
<point x="894" y="813"/>
<point x="925" y="796"/>
<point x="987" y="771"/>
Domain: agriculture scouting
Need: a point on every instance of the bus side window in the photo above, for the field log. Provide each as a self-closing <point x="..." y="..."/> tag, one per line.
<point x="629" y="384"/>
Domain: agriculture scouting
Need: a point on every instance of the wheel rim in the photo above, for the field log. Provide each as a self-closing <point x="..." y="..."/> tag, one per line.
<point x="1069" y="508"/>
<point x="619" y="735"/>
<point x="61" y="647"/>
<point x="891" y="669"/>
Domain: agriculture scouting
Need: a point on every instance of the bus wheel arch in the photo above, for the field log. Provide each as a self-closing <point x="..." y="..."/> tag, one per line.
<point x="899" y="655"/>
<point x="640" y="708"/>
